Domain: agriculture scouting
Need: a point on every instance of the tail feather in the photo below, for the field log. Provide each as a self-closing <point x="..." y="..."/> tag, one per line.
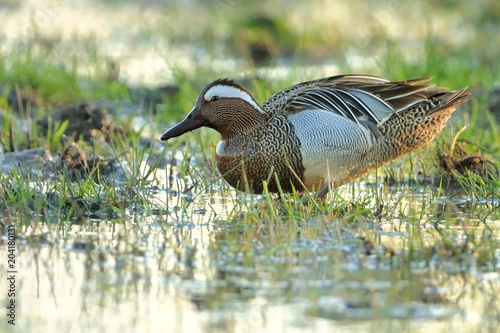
<point x="451" y="99"/>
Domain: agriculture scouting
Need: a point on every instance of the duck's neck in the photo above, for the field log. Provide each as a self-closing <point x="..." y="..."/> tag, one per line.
<point x="246" y="122"/>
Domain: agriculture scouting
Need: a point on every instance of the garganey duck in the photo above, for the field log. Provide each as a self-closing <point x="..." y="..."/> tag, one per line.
<point x="317" y="134"/>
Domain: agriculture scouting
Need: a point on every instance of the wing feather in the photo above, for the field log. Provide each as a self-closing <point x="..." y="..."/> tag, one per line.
<point x="360" y="98"/>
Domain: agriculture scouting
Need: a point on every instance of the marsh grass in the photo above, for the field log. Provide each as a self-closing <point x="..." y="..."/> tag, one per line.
<point x="38" y="75"/>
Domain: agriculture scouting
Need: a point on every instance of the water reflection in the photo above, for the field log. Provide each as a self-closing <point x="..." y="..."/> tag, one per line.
<point x="200" y="274"/>
<point x="200" y="264"/>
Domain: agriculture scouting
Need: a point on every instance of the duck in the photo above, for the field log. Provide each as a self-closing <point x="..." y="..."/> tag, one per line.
<point x="320" y="134"/>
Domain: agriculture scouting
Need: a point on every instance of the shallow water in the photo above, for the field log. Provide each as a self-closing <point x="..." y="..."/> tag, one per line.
<point x="192" y="270"/>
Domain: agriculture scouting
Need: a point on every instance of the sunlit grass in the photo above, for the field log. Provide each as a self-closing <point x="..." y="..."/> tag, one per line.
<point x="47" y="80"/>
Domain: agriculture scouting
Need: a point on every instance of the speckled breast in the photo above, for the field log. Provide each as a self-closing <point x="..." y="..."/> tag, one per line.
<point x="272" y="152"/>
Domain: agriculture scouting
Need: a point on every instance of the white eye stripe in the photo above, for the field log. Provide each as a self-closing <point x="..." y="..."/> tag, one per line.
<point x="222" y="91"/>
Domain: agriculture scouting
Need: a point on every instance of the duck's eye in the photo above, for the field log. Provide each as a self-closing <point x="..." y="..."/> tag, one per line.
<point x="214" y="98"/>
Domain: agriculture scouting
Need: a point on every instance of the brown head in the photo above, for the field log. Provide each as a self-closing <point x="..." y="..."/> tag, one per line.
<point x="224" y="106"/>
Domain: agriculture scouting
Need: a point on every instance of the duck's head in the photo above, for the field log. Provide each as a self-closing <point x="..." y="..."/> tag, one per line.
<point x="224" y="106"/>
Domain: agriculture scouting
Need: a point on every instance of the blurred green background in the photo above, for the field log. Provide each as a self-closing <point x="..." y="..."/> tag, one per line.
<point x="151" y="42"/>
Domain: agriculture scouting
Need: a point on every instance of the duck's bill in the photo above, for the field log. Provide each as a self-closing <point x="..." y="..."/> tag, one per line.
<point x="188" y="124"/>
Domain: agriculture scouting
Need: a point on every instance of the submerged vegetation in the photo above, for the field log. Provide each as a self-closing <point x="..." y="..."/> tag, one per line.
<point x="417" y="239"/>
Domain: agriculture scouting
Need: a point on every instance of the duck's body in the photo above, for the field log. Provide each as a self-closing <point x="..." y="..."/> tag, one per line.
<point x="334" y="129"/>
